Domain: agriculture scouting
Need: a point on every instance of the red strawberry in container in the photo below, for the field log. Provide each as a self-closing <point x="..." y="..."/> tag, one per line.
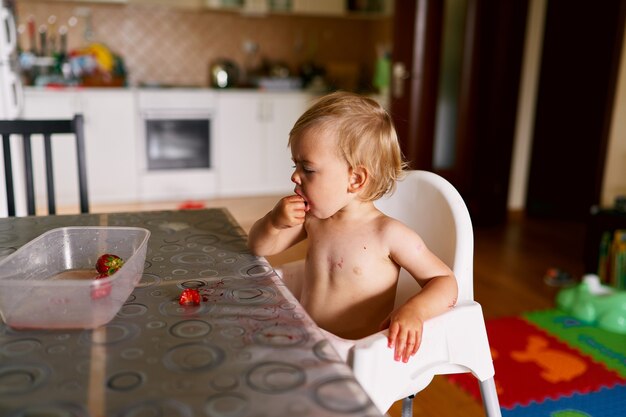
<point x="108" y="264"/>
<point x="100" y="289"/>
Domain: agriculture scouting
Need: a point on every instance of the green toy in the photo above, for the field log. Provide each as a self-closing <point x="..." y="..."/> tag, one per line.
<point x="594" y="303"/>
<point x="569" y="413"/>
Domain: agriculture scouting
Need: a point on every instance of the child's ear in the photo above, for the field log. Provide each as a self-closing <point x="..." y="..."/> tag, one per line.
<point x="358" y="178"/>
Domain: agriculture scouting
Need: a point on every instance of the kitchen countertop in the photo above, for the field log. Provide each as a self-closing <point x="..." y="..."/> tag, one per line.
<point x="30" y="89"/>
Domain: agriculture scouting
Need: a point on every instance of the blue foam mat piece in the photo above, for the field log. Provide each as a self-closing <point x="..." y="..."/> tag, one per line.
<point x="607" y="402"/>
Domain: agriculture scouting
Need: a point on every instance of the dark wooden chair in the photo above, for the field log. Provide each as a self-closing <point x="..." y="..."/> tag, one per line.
<point x="47" y="128"/>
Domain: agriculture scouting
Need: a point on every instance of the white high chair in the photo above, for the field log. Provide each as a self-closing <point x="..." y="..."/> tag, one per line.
<point x="453" y="342"/>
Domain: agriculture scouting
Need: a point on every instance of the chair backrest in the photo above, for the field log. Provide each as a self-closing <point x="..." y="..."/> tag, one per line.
<point x="47" y="128"/>
<point x="432" y="207"/>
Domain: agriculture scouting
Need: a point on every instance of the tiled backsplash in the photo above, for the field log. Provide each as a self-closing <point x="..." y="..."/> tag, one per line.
<point x="175" y="46"/>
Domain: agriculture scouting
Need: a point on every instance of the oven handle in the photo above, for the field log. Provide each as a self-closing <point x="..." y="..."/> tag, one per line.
<point x="181" y="114"/>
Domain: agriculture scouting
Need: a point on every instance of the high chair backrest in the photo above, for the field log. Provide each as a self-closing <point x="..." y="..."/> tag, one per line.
<point x="430" y="205"/>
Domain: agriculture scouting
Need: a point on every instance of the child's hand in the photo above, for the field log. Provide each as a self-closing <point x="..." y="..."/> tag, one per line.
<point x="281" y="228"/>
<point x="405" y="332"/>
<point x="290" y="211"/>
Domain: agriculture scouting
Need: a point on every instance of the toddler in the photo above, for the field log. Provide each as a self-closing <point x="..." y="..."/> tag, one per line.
<point x="346" y="156"/>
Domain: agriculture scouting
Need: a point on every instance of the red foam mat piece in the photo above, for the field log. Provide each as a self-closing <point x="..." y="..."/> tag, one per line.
<point x="532" y="366"/>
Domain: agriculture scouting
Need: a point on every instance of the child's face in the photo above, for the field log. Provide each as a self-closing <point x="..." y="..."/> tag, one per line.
<point x="321" y="175"/>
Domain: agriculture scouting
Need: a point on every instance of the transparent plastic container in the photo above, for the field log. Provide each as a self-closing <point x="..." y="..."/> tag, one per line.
<point x="50" y="282"/>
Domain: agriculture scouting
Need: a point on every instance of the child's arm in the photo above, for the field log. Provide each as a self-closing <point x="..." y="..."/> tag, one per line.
<point x="279" y="229"/>
<point x="438" y="294"/>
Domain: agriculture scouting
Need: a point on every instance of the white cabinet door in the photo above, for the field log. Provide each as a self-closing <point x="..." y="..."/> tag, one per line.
<point x="111" y="145"/>
<point x="253" y="130"/>
<point x="283" y="109"/>
<point x="240" y="144"/>
<point x="40" y="104"/>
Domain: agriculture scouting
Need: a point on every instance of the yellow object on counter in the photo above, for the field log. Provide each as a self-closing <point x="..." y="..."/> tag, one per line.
<point x="101" y="53"/>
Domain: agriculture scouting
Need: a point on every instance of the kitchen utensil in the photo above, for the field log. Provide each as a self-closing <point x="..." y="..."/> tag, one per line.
<point x="43" y="40"/>
<point x="223" y="73"/>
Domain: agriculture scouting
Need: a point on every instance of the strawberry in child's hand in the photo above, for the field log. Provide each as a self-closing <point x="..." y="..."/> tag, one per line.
<point x="189" y="297"/>
<point x="108" y="264"/>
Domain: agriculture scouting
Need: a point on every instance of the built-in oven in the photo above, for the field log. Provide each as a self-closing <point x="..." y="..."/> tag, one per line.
<point x="177" y="146"/>
<point x="177" y="141"/>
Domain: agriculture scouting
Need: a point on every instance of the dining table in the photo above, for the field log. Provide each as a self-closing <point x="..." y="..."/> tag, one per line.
<point x="247" y="349"/>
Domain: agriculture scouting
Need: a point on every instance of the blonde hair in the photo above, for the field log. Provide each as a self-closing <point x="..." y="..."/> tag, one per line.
<point x="365" y="134"/>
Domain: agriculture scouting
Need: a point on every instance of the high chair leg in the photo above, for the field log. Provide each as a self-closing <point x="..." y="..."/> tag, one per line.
<point x="407" y="406"/>
<point x="490" y="398"/>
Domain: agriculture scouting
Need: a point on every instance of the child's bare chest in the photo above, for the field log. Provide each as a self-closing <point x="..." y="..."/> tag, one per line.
<point x="348" y="251"/>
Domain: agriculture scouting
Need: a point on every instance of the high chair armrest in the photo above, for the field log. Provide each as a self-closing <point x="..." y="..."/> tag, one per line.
<point x="453" y="342"/>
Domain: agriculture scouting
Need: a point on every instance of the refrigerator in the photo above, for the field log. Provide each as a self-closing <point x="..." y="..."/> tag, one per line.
<point x="11" y="91"/>
<point x="11" y="99"/>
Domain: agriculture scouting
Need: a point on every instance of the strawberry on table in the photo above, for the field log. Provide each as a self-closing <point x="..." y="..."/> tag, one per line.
<point x="189" y="297"/>
<point x="108" y="264"/>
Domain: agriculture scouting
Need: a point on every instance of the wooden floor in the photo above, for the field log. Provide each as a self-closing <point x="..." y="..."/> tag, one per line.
<point x="510" y="263"/>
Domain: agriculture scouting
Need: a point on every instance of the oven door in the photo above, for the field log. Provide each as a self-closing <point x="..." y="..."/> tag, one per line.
<point x="177" y="141"/>
<point x="177" y="151"/>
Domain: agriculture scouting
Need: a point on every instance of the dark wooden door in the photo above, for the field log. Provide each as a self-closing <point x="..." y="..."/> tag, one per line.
<point x="580" y="60"/>
<point x="415" y="70"/>
<point x="485" y="97"/>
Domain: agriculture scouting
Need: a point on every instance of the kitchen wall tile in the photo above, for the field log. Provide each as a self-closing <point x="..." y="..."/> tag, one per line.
<point x="176" y="46"/>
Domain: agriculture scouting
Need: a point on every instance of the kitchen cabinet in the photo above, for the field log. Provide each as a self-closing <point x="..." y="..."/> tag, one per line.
<point x="330" y="8"/>
<point x="111" y="147"/>
<point x="253" y="130"/>
<point x="319" y="6"/>
<point x="91" y="1"/>
<point x="281" y="112"/>
<point x="249" y="134"/>
<point x="42" y="105"/>
<point x="173" y="3"/>
<point x="109" y="142"/>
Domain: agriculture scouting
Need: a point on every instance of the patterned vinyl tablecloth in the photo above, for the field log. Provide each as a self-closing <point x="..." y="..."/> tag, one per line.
<point x="249" y="349"/>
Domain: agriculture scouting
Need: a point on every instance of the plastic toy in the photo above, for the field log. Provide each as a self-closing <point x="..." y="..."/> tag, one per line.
<point x="594" y="303"/>
<point x="558" y="278"/>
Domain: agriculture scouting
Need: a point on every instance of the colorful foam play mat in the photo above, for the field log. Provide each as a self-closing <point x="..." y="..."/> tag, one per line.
<point x="549" y="364"/>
